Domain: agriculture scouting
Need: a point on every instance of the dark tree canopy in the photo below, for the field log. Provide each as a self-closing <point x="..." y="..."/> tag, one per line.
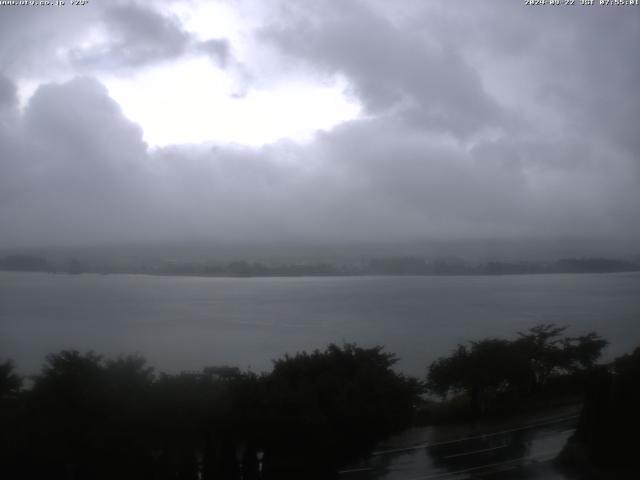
<point x="92" y="418"/>
<point x="10" y="382"/>
<point x="524" y="365"/>
<point x="347" y="395"/>
<point x="607" y="433"/>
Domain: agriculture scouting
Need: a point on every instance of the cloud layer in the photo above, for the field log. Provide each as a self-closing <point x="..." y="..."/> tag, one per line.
<point x="479" y="123"/>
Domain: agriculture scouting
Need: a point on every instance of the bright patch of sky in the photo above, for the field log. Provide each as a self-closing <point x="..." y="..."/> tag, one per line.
<point x="192" y="101"/>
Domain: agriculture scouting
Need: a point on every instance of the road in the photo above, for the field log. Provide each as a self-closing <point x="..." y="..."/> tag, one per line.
<point x="514" y="449"/>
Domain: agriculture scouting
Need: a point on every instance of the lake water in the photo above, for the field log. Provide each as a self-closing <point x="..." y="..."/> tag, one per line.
<point x="187" y="322"/>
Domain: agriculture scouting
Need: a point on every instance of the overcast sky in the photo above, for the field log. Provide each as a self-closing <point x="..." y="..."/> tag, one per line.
<point x="324" y="121"/>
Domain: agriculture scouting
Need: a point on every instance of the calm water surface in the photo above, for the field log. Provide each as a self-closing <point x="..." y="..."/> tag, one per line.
<point x="187" y="323"/>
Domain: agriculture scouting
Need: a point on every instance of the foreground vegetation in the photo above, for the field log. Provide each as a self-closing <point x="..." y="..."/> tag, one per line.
<point x="605" y="445"/>
<point x="494" y="376"/>
<point x="86" y="417"/>
<point x="90" y="418"/>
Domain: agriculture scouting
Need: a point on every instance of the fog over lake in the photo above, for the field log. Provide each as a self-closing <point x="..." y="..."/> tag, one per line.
<point x="185" y="323"/>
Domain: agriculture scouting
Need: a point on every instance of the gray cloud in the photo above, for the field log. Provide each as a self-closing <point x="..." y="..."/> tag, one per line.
<point x="480" y="124"/>
<point x="136" y="36"/>
<point x="73" y="167"/>
<point x="218" y="50"/>
<point x="32" y="38"/>
<point x="116" y="36"/>
<point x="390" y="67"/>
<point x="86" y="176"/>
<point x="8" y="93"/>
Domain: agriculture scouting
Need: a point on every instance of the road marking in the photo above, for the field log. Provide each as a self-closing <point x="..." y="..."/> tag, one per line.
<point x="474" y="437"/>
<point x="476" y="451"/>
<point x="541" y="457"/>
<point x="355" y="470"/>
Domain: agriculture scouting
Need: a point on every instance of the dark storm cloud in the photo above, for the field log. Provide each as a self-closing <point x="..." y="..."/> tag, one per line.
<point x="479" y="123"/>
<point x="73" y="167"/>
<point x="430" y="187"/>
<point x="136" y="36"/>
<point x="85" y="175"/>
<point x="575" y="64"/>
<point x="390" y="67"/>
<point x="76" y="171"/>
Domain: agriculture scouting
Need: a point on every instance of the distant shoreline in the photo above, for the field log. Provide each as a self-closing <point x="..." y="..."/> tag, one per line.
<point x="328" y="275"/>
<point x="392" y="266"/>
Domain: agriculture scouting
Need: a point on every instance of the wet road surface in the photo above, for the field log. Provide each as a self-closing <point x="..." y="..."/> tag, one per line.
<point x="515" y="449"/>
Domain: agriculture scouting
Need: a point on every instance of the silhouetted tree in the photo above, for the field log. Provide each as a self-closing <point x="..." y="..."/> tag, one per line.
<point x="487" y="366"/>
<point x="329" y="405"/>
<point x="549" y="354"/>
<point x="89" y="418"/>
<point x="67" y="413"/>
<point x="582" y="353"/>
<point x="523" y="366"/>
<point x="10" y="447"/>
<point x="10" y="382"/>
<point x="607" y="433"/>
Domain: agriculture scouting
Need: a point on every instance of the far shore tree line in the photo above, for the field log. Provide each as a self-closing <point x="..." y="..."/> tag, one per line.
<point x="86" y="417"/>
<point x="400" y="266"/>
